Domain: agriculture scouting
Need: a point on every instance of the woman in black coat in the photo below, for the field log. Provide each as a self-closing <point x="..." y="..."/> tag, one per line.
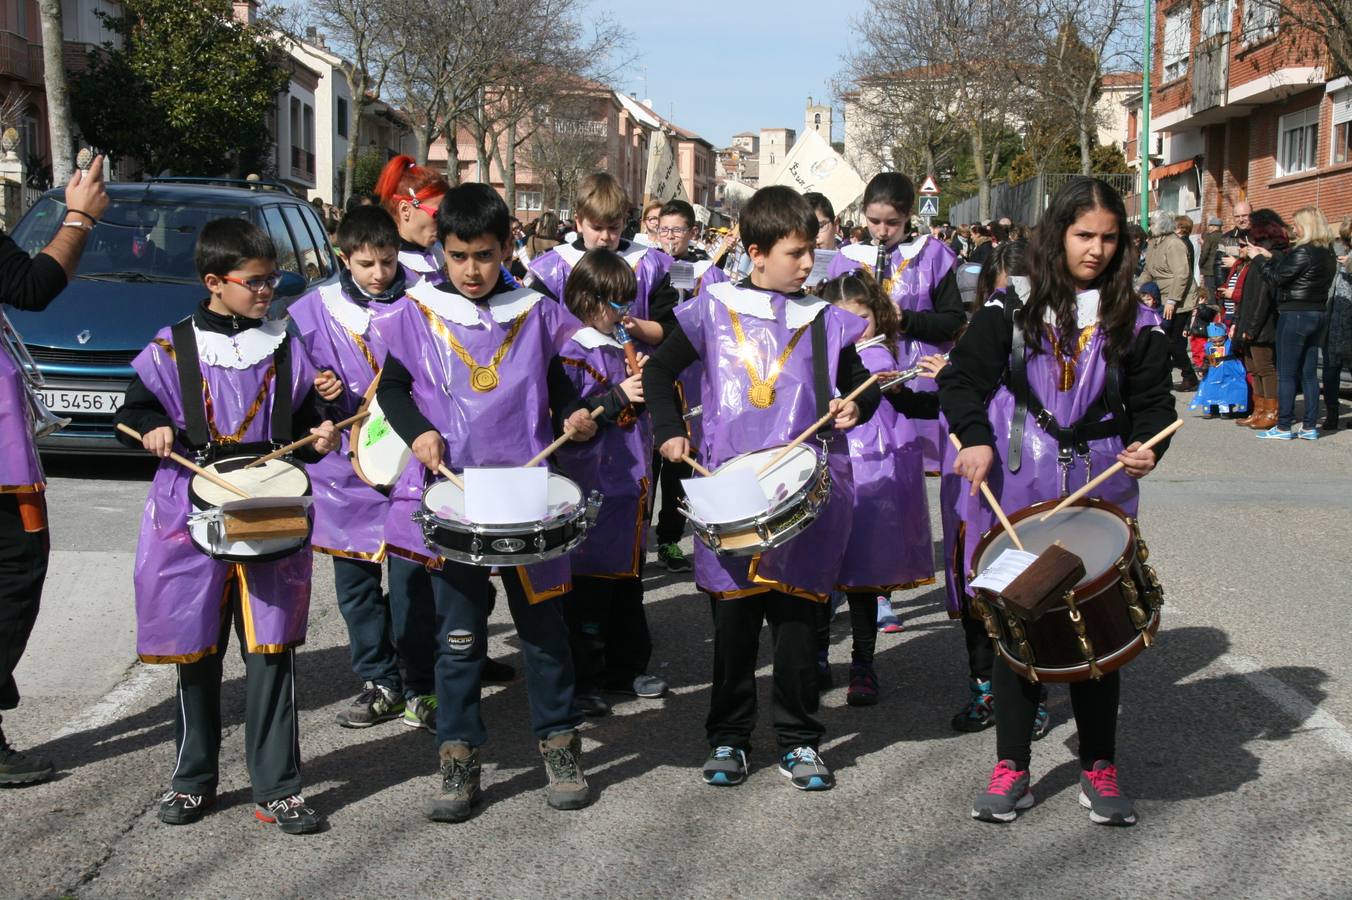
<point x="1256" y="321"/>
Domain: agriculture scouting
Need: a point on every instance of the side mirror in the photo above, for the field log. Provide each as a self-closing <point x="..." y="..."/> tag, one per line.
<point x="291" y="285"/>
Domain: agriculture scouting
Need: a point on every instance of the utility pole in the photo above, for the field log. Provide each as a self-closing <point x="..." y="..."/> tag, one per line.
<point x="1148" y="60"/>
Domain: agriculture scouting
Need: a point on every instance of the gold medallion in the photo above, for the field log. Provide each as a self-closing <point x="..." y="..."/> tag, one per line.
<point x="483" y="379"/>
<point x="761" y="395"/>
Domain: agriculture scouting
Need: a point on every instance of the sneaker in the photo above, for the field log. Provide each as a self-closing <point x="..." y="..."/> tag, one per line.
<point x="649" y="687"/>
<point x="887" y="619"/>
<point x="563" y="764"/>
<point x="17" y="767"/>
<point x="1006" y="795"/>
<point x="863" y="685"/>
<point x="672" y="558"/>
<point x="979" y="713"/>
<point x="1277" y="433"/>
<point x="726" y="766"/>
<point x="495" y="672"/>
<point x="1042" y="721"/>
<point x="1100" y="795"/>
<point x="459" y="784"/>
<point x="183" y="809"/>
<point x="290" y="814"/>
<point x="421" y="712"/>
<point x="806" y="770"/>
<point x="1307" y="434"/>
<point x="375" y="704"/>
<point x="823" y="671"/>
<point x="591" y="704"/>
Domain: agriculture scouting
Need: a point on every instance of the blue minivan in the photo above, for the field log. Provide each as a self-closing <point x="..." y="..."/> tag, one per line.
<point x="135" y="277"/>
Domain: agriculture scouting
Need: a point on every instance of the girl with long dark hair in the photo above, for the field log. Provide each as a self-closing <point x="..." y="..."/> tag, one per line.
<point x="1068" y="361"/>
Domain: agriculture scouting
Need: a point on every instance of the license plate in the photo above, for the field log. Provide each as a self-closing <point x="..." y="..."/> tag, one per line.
<point x="60" y="401"/>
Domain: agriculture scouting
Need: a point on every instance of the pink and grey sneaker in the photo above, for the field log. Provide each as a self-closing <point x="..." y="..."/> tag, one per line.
<point x="1006" y="796"/>
<point x="1100" y="795"/>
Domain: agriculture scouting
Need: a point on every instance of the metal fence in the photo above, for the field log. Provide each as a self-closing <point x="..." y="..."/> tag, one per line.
<point x="1024" y="202"/>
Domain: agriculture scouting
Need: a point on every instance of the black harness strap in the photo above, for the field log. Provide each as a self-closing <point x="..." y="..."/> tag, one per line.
<point x="281" y="391"/>
<point x="190" y="384"/>
<point x="1018" y="386"/>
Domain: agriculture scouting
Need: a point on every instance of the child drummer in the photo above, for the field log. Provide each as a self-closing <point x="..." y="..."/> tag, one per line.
<point x="471" y="379"/>
<point x="766" y="347"/>
<point x="224" y="381"/>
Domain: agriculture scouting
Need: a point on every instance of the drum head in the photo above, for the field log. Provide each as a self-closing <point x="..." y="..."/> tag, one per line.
<point x="446" y="501"/>
<point x="789" y="476"/>
<point x="379" y="455"/>
<point x="276" y="478"/>
<point x="1097" y="536"/>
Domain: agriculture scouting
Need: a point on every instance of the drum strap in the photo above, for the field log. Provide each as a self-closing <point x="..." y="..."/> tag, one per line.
<point x="820" y="369"/>
<point x="1018" y="386"/>
<point x="196" y="429"/>
<point x="281" y="390"/>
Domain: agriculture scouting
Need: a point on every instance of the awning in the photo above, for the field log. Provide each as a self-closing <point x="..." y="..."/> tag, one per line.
<point x="1161" y="172"/>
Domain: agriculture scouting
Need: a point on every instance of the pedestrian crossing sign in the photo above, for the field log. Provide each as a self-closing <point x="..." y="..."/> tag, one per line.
<point x="929" y="206"/>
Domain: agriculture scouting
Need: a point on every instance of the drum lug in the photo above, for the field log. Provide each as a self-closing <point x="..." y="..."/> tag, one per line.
<point x="593" y="507"/>
<point x="476" y="547"/>
<point x="983" y="610"/>
<point x="1025" y="649"/>
<point x="539" y="542"/>
<point x="1154" y="594"/>
<point x="1086" y="647"/>
<point x="1142" y="551"/>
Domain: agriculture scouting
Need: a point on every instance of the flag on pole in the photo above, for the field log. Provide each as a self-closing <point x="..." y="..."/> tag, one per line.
<point x="813" y="165"/>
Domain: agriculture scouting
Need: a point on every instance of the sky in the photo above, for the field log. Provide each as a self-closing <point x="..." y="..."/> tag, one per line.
<point x="718" y="68"/>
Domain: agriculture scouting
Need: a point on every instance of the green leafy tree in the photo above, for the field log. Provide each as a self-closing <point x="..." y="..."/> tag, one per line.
<point x="190" y="90"/>
<point x="366" y="171"/>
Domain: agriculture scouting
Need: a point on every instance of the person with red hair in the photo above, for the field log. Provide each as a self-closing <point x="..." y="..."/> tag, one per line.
<point x="411" y="194"/>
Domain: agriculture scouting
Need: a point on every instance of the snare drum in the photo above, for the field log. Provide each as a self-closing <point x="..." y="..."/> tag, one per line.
<point x="378" y="454"/>
<point x="274" y="523"/>
<point x="1110" y="617"/>
<point x="798" y="487"/>
<point x="454" y="537"/>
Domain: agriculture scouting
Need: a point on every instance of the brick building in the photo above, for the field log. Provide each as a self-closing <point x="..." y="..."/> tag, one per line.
<point x="1245" y="108"/>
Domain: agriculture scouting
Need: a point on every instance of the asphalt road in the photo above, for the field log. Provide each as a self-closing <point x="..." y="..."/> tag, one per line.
<point x="1233" y="739"/>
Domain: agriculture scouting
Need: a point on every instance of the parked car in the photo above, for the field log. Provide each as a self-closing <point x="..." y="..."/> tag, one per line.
<point x="136" y="276"/>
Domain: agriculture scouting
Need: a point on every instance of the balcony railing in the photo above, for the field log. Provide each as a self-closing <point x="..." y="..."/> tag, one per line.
<point x="303" y="162"/>
<point x="1210" y="73"/>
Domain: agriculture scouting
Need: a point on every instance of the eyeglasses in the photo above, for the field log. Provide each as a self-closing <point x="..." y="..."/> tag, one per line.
<point x="417" y="204"/>
<point x="652" y="220"/>
<point x="673" y="232"/>
<point x="621" y="308"/>
<point x="256" y="285"/>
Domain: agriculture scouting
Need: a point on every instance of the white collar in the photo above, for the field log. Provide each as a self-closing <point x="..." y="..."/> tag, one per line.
<point x="352" y="316"/>
<point x="911" y="249"/>
<point x="590" y="338"/>
<point x="701" y="267"/>
<point x="418" y="262"/>
<point x="634" y="255"/>
<point x="861" y="253"/>
<point x="241" y="351"/>
<point x="461" y="310"/>
<point x="798" y="311"/>
<point x="569" y="254"/>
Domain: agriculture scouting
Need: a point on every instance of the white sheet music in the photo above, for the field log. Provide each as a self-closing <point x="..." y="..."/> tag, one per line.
<point x="726" y="497"/>
<point x="506" y="496"/>
<point x="1001" y="573"/>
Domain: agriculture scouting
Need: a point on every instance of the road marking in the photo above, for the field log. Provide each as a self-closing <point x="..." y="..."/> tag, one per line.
<point x="117" y="702"/>
<point x="1313" y="719"/>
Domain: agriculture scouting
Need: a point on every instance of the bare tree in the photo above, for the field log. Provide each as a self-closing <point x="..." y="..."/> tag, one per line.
<point x="58" y="94"/>
<point x="1321" y="29"/>
<point x="561" y="153"/>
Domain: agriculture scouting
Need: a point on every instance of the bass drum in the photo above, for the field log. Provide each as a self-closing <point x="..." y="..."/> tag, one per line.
<point x="1110" y="616"/>
<point x="378" y="454"/>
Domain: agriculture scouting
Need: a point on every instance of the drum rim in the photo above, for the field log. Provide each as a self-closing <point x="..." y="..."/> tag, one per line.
<point x="354" y="441"/>
<point x="1108" y="577"/>
<point x="507" y="529"/>
<point x="792" y="500"/>
<point x="202" y="506"/>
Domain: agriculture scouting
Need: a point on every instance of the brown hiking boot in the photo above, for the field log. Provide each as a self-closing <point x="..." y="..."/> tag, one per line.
<point x="459" y="784"/>
<point x="563" y="764"/>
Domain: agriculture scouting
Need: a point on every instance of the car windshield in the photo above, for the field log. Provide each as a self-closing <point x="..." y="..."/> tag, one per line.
<point x="136" y="240"/>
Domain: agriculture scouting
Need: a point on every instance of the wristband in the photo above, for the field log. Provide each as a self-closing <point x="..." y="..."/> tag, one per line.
<point x="72" y="223"/>
<point x="93" y="220"/>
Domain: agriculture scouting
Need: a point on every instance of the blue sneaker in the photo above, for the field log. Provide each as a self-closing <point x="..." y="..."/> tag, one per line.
<point x="725" y="767"/>
<point x="1277" y="433"/>
<point x="806" y="770"/>
<point x="1307" y="434"/>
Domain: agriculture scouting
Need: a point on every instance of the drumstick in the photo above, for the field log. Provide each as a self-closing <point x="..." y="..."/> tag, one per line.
<point x="305" y="441"/>
<point x="1109" y="472"/>
<point x="190" y="465"/>
<point x="690" y="461"/>
<point x="450" y="476"/>
<point x="990" y="498"/>
<point x="814" y="427"/>
<point x="562" y="439"/>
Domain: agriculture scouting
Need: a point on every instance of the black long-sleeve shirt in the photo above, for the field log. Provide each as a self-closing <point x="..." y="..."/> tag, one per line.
<point x="977" y="365"/>
<point x="676" y="353"/>
<point x="143" y="411"/>
<point x="946" y="319"/>
<point x="396" y="391"/>
<point x="29" y="283"/>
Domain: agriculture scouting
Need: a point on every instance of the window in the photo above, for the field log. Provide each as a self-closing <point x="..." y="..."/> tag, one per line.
<point x="1177" y="37"/>
<point x="341" y="116"/>
<point x="529" y="201"/>
<point x="314" y="261"/>
<point x="1260" y="20"/>
<point x="1215" y="18"/>
<point x="1297" y="141"/>
<point x="1341" y="151"/>
<point x="286" y="250"/>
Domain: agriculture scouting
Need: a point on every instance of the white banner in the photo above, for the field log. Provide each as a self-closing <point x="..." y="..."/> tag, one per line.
<point x="664" y="177"/>
<point x="812" y="165"/>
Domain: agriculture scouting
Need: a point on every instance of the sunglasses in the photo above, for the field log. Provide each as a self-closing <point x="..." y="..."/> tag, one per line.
<point x="256" y="285"/>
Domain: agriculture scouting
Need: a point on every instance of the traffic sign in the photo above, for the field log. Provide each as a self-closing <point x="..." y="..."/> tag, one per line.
<point x="929" y="188"/>
<point x="929" y="206"/>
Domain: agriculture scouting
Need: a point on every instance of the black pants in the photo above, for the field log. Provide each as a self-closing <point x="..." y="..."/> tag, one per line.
<point x="23" y="569"/>
<point x="1179" y="357"/>
<point x="1094" y="703"/>
<point x="607" y="631"/>
<point x="668" y="475"/>
<point x="387" y="634"/>
<point x="271" y="729"/>
<point x="1333" y="370"/>
<point x="980" y="650"/>
<point x="732" y="702"/>
<point x="863" y="626"/>
<point x="464" y="598"/>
